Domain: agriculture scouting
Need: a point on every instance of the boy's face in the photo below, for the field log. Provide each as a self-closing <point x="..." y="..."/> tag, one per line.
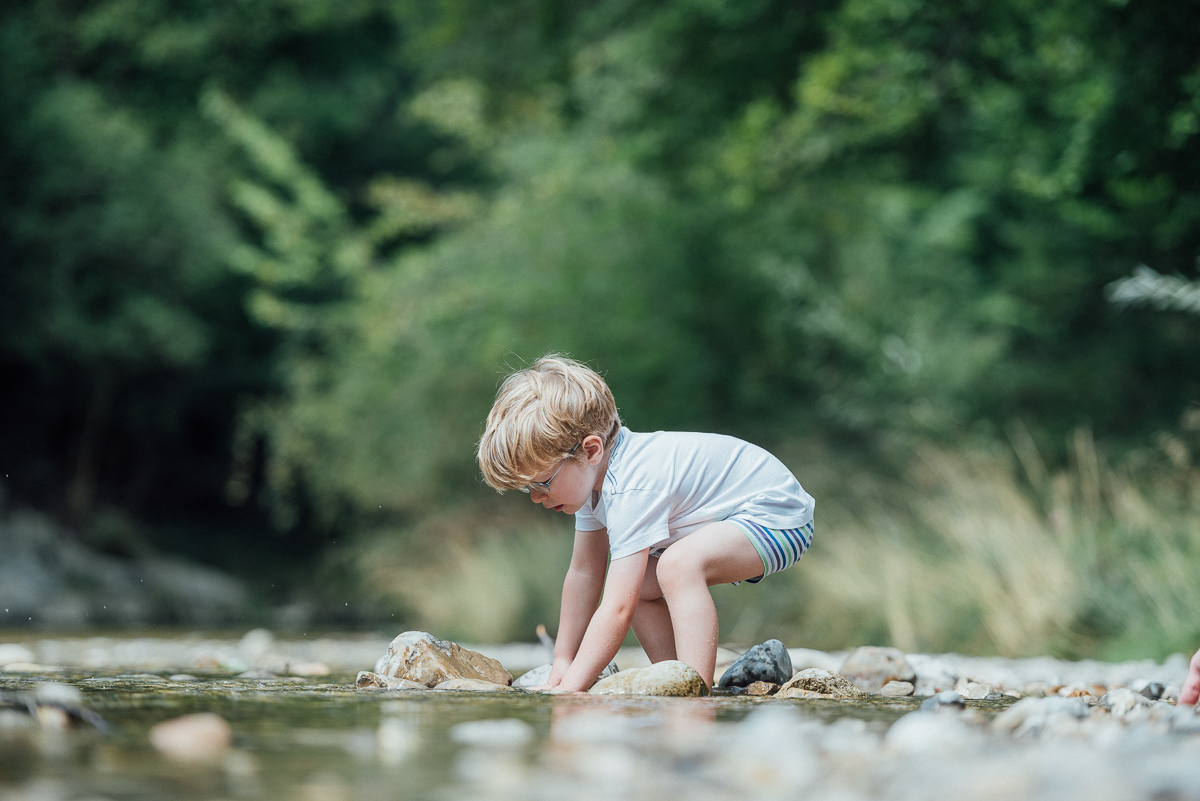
<point x="572" y="485"/>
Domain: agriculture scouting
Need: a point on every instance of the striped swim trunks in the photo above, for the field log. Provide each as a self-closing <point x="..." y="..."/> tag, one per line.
<point x="778" y="548"/>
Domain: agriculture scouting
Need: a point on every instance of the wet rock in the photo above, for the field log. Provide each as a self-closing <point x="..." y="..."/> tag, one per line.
<point x="1122" y="701"/>
<point x="1153" y="690"/>
<point x="202" y="737"/>
<point x="671" y="677"/>
<point x="922" y="732"/>
<point x="946" y="699"/>
<point x="870" y="667"/>
<point x="10" y="652"/>
<point x="798" y="692"/>
<point x="534" y="678"/>
<point x="973" y="690"/>
<point x="933" y="674"/>
<point x="768" y="661"/>
<point x="421" y="657"/>
<point x="1183" y="719"/>
<point x="1079" y="689"/>
<point x="1033" y="716"/>
<point x="823" y="682"/>
<point x="762" y="688"/>
<point x="256" y="673"/>
<point x="366" y="680"/>
<point x="182" y="677"/>
<point x="255" y="647"/>
<point x="897" y="689"/>
<point x="51" y="706"/>
<point x="475" y="686"/>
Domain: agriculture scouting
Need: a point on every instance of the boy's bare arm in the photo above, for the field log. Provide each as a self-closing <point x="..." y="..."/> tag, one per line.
<point x="581" y="595"/>
<point x="609" y="625"/>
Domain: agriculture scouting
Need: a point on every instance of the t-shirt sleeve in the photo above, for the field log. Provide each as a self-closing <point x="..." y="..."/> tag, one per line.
<point x="637" y="519"/>
<point x="585" y="519"/>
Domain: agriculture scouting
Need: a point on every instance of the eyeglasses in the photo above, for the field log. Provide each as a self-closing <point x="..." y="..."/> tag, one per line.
<point x="544" y="486"/>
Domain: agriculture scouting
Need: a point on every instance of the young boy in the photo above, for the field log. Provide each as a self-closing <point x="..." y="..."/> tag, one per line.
<point x="676" y="512"/>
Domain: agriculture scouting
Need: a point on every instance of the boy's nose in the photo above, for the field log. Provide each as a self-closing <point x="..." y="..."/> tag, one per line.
<point x="536" y="497"/>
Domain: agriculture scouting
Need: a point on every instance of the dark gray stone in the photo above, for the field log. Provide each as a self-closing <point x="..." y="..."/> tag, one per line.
<point x="946" y="699"/>
<point x="1153" y="690"/>
<point x="768" y="661"/>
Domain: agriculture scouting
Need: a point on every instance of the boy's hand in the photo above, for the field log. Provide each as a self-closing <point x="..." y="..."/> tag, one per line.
<point x="557" y="670"/>
<point x="1191" y="687"/>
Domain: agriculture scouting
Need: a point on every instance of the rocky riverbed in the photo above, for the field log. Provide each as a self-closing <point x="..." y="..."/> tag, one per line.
<point x="261" y="717"/>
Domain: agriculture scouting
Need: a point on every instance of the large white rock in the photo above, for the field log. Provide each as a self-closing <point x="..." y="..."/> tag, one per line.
<point x="419" y="656"/>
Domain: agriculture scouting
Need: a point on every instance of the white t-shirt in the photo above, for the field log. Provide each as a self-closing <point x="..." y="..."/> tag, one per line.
<point x="663" y="486"/>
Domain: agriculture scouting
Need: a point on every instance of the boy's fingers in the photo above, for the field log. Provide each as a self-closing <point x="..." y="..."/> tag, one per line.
<point x="1191" y="686"/>
<point x="1190" y="691"/>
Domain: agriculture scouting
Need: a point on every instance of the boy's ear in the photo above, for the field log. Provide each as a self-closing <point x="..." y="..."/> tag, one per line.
<point x="593" y="448"/>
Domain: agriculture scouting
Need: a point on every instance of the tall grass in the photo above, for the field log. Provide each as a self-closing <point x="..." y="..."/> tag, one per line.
<point x="982" y="552"/>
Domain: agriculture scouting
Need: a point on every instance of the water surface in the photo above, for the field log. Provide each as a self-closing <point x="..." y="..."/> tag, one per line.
<point x="321" y="739"/>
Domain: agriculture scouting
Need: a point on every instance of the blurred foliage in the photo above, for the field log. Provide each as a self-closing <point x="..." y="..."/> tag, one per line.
<point x="266" y="263"/>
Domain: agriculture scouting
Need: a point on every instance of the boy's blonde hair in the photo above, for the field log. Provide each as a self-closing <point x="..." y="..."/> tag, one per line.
<point x="540" y="414"/>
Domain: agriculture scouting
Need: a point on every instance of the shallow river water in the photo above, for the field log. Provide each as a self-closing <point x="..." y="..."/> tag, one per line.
<point x="317" y="739"/>
<point x="309" y="739"/>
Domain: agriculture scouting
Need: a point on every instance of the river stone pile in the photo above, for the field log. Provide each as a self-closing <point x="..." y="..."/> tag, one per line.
<point x="416" y="660"/>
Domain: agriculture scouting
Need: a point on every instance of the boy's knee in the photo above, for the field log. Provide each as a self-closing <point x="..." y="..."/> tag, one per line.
<point x="676" y="569"/>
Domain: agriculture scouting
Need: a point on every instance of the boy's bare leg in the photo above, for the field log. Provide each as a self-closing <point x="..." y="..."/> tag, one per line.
<point x="719" y="553"/>
<point x="652" y="619"/>
<point x="652" y="625"/>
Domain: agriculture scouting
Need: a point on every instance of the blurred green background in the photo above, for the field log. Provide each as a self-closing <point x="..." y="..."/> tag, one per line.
<point x="264" y="264"/>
